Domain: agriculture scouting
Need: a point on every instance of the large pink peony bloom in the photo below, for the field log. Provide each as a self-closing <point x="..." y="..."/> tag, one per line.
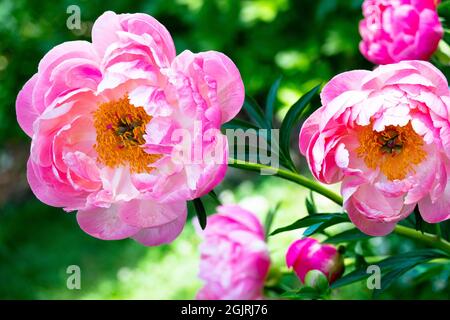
<point x="110" y="122"/>
<point x="234" y="256"/>
<point x="396" y="30"/>
<point x="308" y="254"/>
<point x="386" y="135"/>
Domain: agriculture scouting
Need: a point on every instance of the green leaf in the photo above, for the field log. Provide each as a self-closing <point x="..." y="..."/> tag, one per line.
<point x="200" y="211"/>
<point x="321" y="226"/>
<point x="253" y="108"/>
<point x="432" y="270"/>
<point x="419" y="222"/>
<point x="388" y="278"/>
<point x="213" y="195"/>
<point x="255" y="113"/>
<point x="310" y="204"/>
<point x="444" y="9"/>
<point x="312" y="220"/>
<point x="271" y="98"/>
<point x="293" y="116"/>
<point x="399" y="262"/>
<point x="239" y="124"/>
<point x="360" y="262"/>
<point x="269" y="219"/>
<point x="348" y="236"/>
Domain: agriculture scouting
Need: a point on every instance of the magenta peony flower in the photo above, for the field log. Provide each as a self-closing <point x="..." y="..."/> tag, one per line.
<point x="234" y="256"/>
<point x="110" y="122"/>
<point x="386" y="135"/>
<point x="308" y="254"/>
<point x="396" y="30"/>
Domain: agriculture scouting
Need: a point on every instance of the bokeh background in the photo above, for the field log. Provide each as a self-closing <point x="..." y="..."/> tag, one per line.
<point x="306" y="42"/>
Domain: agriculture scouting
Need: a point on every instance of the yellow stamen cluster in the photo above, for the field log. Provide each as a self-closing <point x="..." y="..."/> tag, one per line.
<point x="396" y="150"/>
<point x="120" y="128"/>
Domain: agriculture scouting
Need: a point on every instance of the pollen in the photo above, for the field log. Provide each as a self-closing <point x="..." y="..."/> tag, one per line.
<point x="120" y="128"/>
<point x="395" y="151"/>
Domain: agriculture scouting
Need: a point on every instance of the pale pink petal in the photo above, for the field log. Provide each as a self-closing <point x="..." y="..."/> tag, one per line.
<point x="105" y="223"/>
<point x="25" y="110"/>
<point x="367" y="225"/>
<point x="162" y="234"/>
<point x="341" y="83"/>
<point x="222" y="76"/>
<point x="149" y="214"/>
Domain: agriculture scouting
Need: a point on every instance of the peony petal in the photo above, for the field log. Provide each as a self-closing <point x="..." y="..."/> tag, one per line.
<point x="162" y="234"/>
<point x="223" y="72"/>
<point x="105" y="223"/>
<point x="25" y="110"/>
<point x="368" y="226"/>
<point x="341" y="83"/>
<point x="149" y="214"/>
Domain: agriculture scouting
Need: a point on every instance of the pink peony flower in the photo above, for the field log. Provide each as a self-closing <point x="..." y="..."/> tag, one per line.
<point x="308" y="254"/>
<point x="234" y="256"/>
<point x="109" y="120"/>
<point x="396" y="30"/>
<point x="386" y="135"/>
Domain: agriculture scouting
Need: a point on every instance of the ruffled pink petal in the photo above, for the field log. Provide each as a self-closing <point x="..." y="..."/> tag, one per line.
<point x="104" y="31"/>
<point x="145" y="25"/>
<point x="64" y="53"/>
<point x="438" y="210"/>
<point x="373" y="213"/>
<point x="25" y="110"/>
<point x="162" y="234"/>
<point x="221" y="74"/>
<point x="341" y="83"/>
<point x="309" y="128"/>
<point x="48" y="189"/>
<point x="236" y="214"/>
<point x="148" y="214"/>
<point x="369" y="226"/>
<point x="105" y="223"/>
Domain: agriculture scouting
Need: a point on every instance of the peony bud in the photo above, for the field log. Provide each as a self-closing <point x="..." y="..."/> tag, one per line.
<point x="308" y="254"/>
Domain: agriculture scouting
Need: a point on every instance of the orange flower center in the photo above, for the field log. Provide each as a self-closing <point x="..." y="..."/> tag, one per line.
<point x="120" y="128"/>
<point x="396" y="150"/>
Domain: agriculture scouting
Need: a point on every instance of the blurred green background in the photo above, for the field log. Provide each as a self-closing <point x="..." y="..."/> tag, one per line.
<point x="307" y="42"/>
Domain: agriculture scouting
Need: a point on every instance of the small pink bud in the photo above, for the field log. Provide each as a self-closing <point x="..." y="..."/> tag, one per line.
<point x="308" y="254"/>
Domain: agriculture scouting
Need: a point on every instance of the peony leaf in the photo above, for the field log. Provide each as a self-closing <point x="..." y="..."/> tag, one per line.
<point x="315" y="219"/>
<point x="255" y="113"/>
<point x="399" y="262"/>
<point x="269" y="219"/>
<point x="310" y="204"/>
<point x="271" y="99"/>
<point x="295" y="113"/>
<point x="239" y="124"/>
<point x="214" y="196"/>
<point x="348" y="236"/>
<point x="201" y="212"/>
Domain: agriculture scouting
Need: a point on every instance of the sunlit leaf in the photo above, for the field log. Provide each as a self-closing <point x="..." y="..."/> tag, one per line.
<point x="271" y="99"/>
<point x="348" y="236"/>
<point x="313" y="220"/>
<point x="293" y="117"/>
<point x="398" y="262"/>
<point x="269" y="219"/>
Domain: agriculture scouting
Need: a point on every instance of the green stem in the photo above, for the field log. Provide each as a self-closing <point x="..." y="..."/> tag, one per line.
<point x="288" y="175"/>
<point x="431" y="240"/>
